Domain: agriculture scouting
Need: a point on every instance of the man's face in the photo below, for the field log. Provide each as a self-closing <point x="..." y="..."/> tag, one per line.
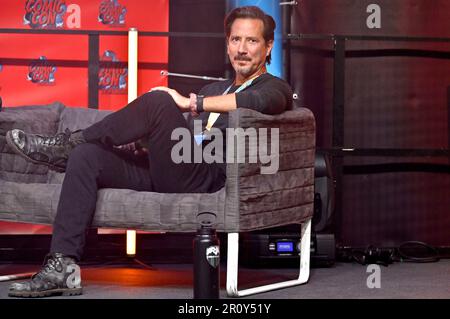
<point x="247" y="48"/>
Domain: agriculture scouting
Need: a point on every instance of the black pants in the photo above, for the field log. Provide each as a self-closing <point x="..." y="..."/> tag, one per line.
<point x="96" y="164"/>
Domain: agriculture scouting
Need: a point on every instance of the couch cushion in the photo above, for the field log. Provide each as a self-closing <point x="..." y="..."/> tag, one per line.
<point x="42" y="119"/>
<point x="116" y="208"/>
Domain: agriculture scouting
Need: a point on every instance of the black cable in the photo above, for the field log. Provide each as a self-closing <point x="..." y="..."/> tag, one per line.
<point x="401" y="250"/>
<point x="373" y="255"/>
<point x="410" y="251"/>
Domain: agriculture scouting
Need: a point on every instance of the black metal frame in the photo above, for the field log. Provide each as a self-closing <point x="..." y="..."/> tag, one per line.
<point x="338" y="150"/>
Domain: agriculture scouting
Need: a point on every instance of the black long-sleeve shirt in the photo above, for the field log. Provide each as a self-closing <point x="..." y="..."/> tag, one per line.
<point x="267" y="94"/>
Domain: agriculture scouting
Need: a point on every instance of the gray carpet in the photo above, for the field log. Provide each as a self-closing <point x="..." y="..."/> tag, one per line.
<point x="174" y="281"/>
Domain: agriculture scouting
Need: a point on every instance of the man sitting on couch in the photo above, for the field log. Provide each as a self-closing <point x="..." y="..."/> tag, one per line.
<point x="92" y="160"/>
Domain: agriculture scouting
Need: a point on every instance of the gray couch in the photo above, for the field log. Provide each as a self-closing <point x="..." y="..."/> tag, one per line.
<point x="249" y="201"/>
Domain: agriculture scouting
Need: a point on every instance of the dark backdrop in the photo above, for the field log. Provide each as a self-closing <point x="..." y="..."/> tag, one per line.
<point x="396" y="96"/>
<point x="196" y="55"/>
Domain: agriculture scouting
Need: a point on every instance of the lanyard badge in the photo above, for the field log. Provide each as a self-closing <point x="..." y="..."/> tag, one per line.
<point x="213" y="116"/>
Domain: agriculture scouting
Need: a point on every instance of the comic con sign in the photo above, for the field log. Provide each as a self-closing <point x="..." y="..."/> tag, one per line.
<point x="48" y="14"/>
<point x="53" y="14"/>
<point x="112" y="13"/>
<point x="41" y="71"/>
<point x="54" y="66"/>
<point x="112" y="78"/>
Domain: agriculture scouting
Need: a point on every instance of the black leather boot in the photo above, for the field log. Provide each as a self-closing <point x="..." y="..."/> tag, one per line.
<point x="60" y="275"/>
<point x="52" y="151"/>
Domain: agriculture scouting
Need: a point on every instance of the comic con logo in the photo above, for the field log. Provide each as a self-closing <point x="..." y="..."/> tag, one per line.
<point x="45" y="13"/>
<point x="112" y="77"/>
<point x="112" y="13"/>
<point x="41" y="71"/>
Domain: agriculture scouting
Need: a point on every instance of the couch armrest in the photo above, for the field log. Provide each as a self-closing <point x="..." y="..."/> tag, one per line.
<point x="256" y="200"/>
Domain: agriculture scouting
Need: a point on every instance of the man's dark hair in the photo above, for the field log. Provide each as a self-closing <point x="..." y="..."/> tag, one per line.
<point x="252" y="12"/>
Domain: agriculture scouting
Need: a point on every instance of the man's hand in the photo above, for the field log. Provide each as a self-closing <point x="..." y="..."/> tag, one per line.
<point x="181" y="101"/>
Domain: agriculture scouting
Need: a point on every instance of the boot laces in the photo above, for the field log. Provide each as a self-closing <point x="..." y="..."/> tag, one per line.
<point x="59" y="139"/>
<point x="50" y="264"/>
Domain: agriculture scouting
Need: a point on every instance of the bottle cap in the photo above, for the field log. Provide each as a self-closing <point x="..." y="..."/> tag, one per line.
<point x="206" y="220"/>
<point x="206" y="228"/>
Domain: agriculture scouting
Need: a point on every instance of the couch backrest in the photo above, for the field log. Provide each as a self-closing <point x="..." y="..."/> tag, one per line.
<point x="42" y="119"/>
<point x="75" y="118"/>
<point x="79" y="118"/>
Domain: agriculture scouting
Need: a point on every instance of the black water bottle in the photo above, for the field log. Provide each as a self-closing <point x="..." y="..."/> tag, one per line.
<point x="206" y="263"/>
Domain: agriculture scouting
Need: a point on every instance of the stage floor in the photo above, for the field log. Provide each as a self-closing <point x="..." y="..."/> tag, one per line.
<point x="135" y="280"/>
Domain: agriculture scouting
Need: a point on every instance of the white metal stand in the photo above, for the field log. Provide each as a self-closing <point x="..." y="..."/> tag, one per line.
<point x="232" y="265"/>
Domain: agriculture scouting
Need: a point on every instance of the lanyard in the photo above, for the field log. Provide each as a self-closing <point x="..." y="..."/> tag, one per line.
<point x="214" y="116"/>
